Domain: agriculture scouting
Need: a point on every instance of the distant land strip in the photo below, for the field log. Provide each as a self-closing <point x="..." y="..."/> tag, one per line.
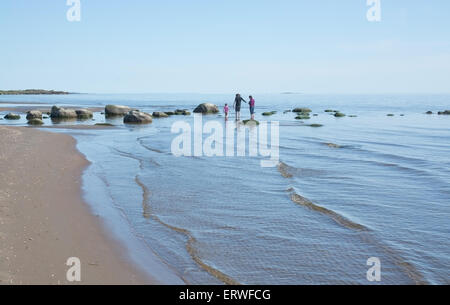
<point x="32" y="91"/>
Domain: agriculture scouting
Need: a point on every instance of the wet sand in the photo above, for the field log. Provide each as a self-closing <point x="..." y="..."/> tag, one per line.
<point x="43" y="219"/>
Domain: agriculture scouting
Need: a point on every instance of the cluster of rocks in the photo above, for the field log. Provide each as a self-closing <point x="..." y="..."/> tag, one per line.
<point x="34" y="117"/>
<point x="446" y="112"/>
<point x="59" y="113"/>
<point x="302" y="113"/>
<point x="135" y="116"/>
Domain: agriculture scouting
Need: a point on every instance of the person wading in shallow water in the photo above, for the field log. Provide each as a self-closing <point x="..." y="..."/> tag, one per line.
<point x="251" y="103"/>
<point x="237" y="106"/>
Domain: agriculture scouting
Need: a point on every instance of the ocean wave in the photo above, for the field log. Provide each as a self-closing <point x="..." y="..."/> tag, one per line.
<point x="367" y="235"/>
<point x="296" y="198"/>
<point x="190" y="248"/>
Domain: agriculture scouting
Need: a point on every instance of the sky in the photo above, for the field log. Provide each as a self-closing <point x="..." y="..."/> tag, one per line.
<point x="223" y="46"/>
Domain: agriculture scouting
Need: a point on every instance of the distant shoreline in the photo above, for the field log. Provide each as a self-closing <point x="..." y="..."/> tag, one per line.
<point x="33" y="92"/>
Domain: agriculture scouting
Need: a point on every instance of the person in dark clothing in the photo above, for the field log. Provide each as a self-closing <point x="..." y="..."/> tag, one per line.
<point x="237" y="106"/>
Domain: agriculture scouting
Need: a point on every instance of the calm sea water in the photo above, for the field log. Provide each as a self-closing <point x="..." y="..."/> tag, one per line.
<point x="314" y="219"/>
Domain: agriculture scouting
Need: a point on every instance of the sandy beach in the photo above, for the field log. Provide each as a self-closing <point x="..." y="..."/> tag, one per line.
<point x="43" y="219"/>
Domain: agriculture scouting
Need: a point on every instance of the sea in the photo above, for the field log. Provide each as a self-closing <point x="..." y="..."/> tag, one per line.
<point x="354" y="193"/>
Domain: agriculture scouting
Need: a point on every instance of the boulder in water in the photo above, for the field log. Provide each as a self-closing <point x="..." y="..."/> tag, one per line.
<point x="116" y="110"/>
<point x="339" y="115"/>
<point x="84" y="114"/>
<point x="34" y="114"/>
<point x="60" y="113"/>
<point x="206" y="108"/>
<point x="137" y="117"/>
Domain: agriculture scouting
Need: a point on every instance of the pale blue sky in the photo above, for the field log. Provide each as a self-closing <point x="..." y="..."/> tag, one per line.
<point x="212" y="46"/>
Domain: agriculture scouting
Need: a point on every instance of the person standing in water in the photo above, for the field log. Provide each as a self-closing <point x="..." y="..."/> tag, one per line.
<point x="226" y="110"/>
<point x="251" y="103"/>
<point x="237" y="106"/>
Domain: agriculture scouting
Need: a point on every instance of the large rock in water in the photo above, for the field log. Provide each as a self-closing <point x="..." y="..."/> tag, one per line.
<point x="137" y="117"/>
<point x="206" y="108"/>
<point x="34" y="114"/>
<point x="84" y="114"/>
<point x="60" y="113"/>
<point x="12" y="116"/>
<point x="116" y="110"/>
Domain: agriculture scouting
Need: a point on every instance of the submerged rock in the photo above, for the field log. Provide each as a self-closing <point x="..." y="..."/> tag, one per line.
<point x="34" y="114"/>
<point x="116" y="110"/>
<point x="137" y="117"/>
<point x="206" y="108"/>
<point x="390" y="114"/>
<point x="303" y="117"/>
<point x="267" y="113"/>
<point x="12" y="116"/>
<point x="250" y="122"/>
<point x="181" y="112"/>
<point x="332" y="145"/>
<point x="315" y="125"/>
<point x="158" y="114"/>
<point x="62" y="114"/>
<point x="339" y="115"/>
<point x="84" y="114"/>
<point x="104" y="124"/>
<point x="35" y="122"/>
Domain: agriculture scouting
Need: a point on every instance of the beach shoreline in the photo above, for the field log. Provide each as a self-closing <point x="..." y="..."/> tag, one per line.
<point x="44" y="220"/>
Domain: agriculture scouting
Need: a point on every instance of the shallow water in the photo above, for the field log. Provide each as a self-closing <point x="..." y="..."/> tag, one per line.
<point x="383" y="191"/>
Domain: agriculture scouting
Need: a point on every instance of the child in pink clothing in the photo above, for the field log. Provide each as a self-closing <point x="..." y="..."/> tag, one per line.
<point x="226" y="110"/>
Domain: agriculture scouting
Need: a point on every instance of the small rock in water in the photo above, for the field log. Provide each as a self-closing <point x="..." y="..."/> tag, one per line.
<point x="339" y="115"/>
<point x="12" y="116"/>
<point x="429" y="112"/>
<point x="446" y="112"/>
<point x="303" y="117"/>
<point x="250" y="122"/>
<point x="158" y="114"/>
<point x="35" y="122"/>
<point x="390" y="114"/>
<point x="332" y="145"/>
